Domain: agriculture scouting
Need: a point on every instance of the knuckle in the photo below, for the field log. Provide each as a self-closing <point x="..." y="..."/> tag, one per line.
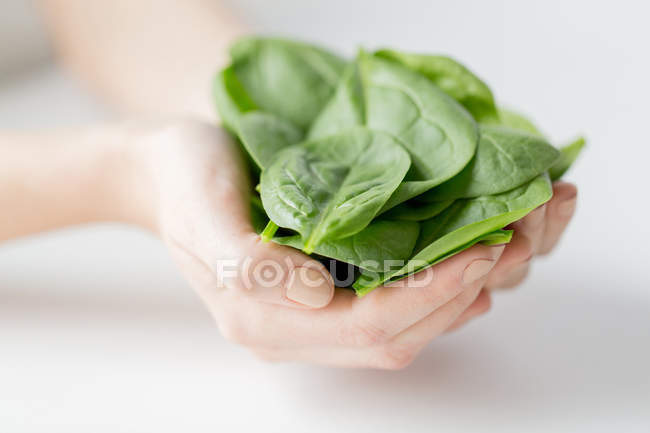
<point x="363" y="334"/>
<point x="516" y="277"/>
<point x="484" y="305"/>
<point x="524" y="250"/>
<point x="396" y="356"/>
<point x="435" y="285"/>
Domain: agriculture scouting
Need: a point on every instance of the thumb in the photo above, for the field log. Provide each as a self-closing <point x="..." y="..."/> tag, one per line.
<point x="281" y="275"/>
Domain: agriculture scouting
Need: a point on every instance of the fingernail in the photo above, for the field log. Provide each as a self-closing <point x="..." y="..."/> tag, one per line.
<point x="480" y="267"/>
<point x="309" y="287"/>
<point x="567" y="207"/>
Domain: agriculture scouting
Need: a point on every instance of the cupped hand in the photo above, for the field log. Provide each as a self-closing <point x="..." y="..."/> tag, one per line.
<point x="282" y="304"/>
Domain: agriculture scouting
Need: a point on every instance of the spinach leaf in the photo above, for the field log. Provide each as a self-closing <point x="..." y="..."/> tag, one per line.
<point x="257" y="214"/>
<point x="261" y="134"/>
<point x="517" y="121"/>
<point x="331" y="188"/>
<point x="453" y="78"/>
<point x="231" y="99"/>
<point x="290" y="79"/>
<point x="568" y="155"/>
<point x="369" y="279"/>
<point x="438" y="133"/>
<point x="379" y="242"/>
<point x="505" y="159"/>
<point x="416" y="211"/>
<point x="344" y="110"/>
<point x="463" y="222"/>
<point x="264" y="135"/>
<point x="495" y="211"/>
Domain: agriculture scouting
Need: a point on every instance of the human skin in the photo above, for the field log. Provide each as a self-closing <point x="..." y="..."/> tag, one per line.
<point x="185" y="182"/>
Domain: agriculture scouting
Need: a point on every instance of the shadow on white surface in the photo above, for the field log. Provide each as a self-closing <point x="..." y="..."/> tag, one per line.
<point x="562" y="352"/>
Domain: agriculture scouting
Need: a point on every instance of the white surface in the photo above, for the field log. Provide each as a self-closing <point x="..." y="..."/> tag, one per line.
<point x="99" y="333"/>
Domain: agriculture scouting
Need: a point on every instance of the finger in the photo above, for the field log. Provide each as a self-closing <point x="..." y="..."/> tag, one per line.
<point x="532" y="226"/>
<point x="560" y="210"/>
<point x="480" y="306"/>
<point x="516" y="255"/>
<point x="263" y="325"/>
<point x="391" y="309"/>
<point x="515" y="277"/>
<point x="217" y="247"/>
<point x="421" y="333"/>
<point x="349" y="321"/>
<point x="393" y="355"/>
<point x="277" y="274"/>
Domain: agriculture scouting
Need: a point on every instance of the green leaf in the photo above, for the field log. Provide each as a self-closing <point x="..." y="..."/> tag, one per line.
<point x="370" y="280"/>
<point x="568" y="155"/>
<point x="439" y="134"/>
<point x="462" y="223"/>
<point x="331" y="188"/>
<point x="415" y="211"/>
<point x="453" y="78"/>
<point x="344" y="110"/>
<point x="505" y="159"/>
<point x="264" y="135"/>
<point x="498" y="237"/>
<point x="518" y="121"/>
<point x="231" y="99"/>
<point x="290" y="79"/>
<point x="257" y="213"/>
<point x="269" y="231"/>
<point x="381" y="241"/>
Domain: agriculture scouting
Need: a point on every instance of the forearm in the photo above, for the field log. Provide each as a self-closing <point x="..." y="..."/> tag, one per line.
<point x="151" y="57"/>
<point x="55" y="179"/>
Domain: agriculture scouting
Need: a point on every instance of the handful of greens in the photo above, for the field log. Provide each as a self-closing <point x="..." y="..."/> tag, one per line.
<point x="387" y="158"/>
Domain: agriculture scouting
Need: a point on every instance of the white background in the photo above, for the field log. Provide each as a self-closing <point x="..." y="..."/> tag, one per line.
<point x="98" y="332"/>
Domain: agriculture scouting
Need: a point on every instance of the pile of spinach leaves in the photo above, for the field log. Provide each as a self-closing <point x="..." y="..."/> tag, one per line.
<point x="386" y="158"/>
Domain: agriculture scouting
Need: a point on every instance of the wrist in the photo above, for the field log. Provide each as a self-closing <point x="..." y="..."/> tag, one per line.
<point x="56" y="179"/>
<point x="125" y="181"/>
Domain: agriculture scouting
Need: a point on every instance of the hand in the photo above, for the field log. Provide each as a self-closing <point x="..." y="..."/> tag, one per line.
<point x="283" y="305"/>
<point x="536" y="234"/>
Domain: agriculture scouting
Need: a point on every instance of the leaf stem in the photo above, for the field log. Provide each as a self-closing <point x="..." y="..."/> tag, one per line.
<point x="269" y="231"/>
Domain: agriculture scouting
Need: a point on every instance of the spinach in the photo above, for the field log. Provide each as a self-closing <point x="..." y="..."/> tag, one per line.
<point x="388" y="97"/>
<point x="332" y="187"/>
<point x="264" y="135"/>
<point x="460" y="225"/>
<point x="259" y="219"/>
<point x="415" y="211"/>
<point x="505" y="159"/>
<point x="517" y="121"/>
<point x="424" y="119"/>
<point x="231" y="99"/>
<point x="290" y="79"/>
<point x="453" y="78"/>
<point x="389" y="157"/>
<point x="568" y="155"/>
<point x="345" y="110"/>
<point x="261" y="134"/>
<point x="369" y="280"/>
<point x="496" y="211"/>
<point x="369" y="249"/>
